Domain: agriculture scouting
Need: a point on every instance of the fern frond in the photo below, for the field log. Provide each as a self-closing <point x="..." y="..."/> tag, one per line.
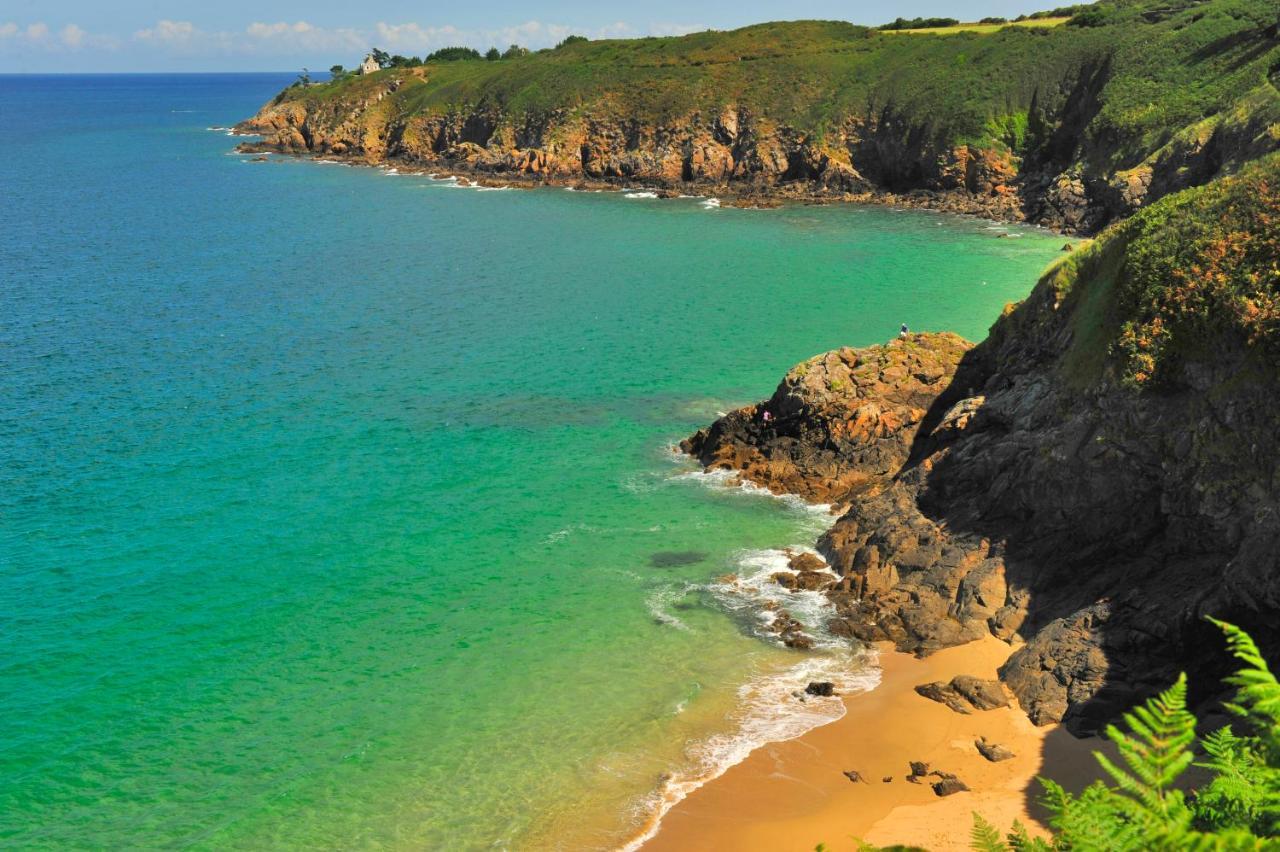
<point x="1258" y="693"/>
<point x="1021" y="841"/>
<point x="1156" y="754"/>
<point x="984" y="837"/>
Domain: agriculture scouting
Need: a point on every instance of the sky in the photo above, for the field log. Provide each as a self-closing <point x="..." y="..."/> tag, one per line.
<point x="44" y="36"/>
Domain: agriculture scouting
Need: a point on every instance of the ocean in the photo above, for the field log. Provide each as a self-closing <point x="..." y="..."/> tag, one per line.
<point x="338" y="507"/>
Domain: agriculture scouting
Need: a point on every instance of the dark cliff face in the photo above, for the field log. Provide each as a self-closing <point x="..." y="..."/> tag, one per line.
<point x="1039" y="496"/>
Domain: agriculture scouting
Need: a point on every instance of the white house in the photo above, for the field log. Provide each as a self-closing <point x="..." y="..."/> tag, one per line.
<point x="369" y="65"/>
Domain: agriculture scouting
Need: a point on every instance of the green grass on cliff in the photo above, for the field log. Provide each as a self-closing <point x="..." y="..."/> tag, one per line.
<point x="985" y="28"/>
<point x="1192" y="276"/>
<point x="1167" y="65"/>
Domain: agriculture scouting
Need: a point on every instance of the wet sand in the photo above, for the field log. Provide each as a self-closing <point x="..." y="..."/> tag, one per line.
<point x="793" y="795"/>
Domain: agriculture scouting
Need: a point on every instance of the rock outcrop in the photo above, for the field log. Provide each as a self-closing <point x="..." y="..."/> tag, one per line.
<point x="965" y="693"/>
<point x="1020" y="489"/>
<point x="840" y="424"/>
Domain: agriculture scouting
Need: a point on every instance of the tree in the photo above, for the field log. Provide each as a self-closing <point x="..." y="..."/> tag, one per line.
<point x="515" y="51"/>
<point x="337" y="72"/>
<point x="492" y="54"/>
<point x="453" y="54"/>
<point x="381" y="57"/>
<point x="572" y="39"/>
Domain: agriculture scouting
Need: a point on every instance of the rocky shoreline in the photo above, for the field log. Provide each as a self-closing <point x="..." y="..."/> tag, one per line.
<point x="986" y="492"/>
<point x="1002" y="209"/>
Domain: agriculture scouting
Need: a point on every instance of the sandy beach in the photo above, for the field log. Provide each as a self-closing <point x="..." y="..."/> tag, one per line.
<point x="794" y="795"/>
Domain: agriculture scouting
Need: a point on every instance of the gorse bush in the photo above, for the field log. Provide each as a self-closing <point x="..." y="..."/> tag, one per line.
<point x="1143" y="808"/>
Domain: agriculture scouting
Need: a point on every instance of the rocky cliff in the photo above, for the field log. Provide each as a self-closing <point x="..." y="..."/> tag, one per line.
<point x="1066" y="126"/>
<point x="1051" y="485"/>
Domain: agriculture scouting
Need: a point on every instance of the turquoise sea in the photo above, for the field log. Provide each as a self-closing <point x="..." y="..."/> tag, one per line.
<point x="337" y="507"/>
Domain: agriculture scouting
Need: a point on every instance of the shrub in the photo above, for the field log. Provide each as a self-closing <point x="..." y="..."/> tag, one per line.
<point x="453" y="54"/>
<point x="919" y="24"/>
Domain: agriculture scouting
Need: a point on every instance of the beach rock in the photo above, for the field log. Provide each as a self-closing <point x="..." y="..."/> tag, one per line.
<point x="854" y="776"/>
<point x="888" y="779"/>
<point x="993" y="751"/>
<point x="805" y="561"/>
<point x="820" y="688"/>
<point x="919" y="770"/>
<point x="948" y="784"/>
<point x="982" y="694"/>
<point x="813" y="581"/>
<point x="965" y="693"/>
<point x="790" y="631"/>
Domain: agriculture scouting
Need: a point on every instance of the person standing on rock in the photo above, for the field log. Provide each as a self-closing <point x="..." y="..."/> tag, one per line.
<point x="903" y="333"/>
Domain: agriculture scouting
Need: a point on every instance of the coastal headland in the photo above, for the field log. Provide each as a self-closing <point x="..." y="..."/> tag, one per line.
<point x="1071" y="127"/>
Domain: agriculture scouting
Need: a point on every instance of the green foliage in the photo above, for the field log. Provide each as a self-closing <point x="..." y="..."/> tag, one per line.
<point x="515" y="51"/>
<point x="1202" y="269"/>
<point x="572" y="39"/>
<point x="1244" y="792"/>
<point x="1155" y="755"/>
<point x="1238" y="809"/>
<point x="453" y="54"/>
<point x="985" y="837"/>
<point x="1093" y="16"/>
<point x="919" y="24"/>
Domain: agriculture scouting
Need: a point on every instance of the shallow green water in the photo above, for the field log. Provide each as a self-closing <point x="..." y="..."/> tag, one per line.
<point x="329" y="499"/>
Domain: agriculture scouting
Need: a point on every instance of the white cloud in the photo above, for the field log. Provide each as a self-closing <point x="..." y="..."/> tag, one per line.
<point x="168" y="31"/>
<point x="39" y="35"/>
<point x="416" y="38"/>
<point x="72" y="36"/>
<point x="266" y="42"/>
<point x="412" y="37"/>
<point x="302" y="36"/>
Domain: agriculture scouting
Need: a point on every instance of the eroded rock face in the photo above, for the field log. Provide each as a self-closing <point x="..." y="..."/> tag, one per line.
<point x="840" y="424"/>
<point x="990" y="492"/>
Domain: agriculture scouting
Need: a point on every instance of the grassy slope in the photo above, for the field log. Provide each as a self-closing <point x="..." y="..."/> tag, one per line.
<point x="1192" y="273"/>
<point x="984" y="28"/>
<point x="1189" y="66"/>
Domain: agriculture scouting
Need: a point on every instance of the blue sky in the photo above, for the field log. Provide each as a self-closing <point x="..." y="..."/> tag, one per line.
<point x="240" y="35"/>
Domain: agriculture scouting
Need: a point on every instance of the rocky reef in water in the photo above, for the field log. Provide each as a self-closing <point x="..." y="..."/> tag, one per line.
<point x="1050" y="486"/>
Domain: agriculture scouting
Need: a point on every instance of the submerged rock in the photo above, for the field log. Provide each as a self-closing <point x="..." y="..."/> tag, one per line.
<point x="820" y="688"/>
<point x="675" y="558"/>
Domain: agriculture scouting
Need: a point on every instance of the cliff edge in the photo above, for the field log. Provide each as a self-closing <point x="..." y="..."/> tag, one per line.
<point x="1093" y="478"/>
<point x="1071" y="126"/>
